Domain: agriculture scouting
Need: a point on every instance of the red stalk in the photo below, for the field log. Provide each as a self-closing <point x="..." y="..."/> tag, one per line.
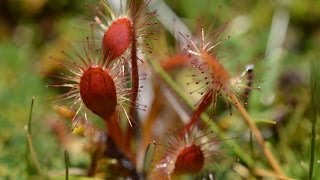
<point x="204" y="103"/>
<point x="114" y="130"/>
<point x="135" y="85"/>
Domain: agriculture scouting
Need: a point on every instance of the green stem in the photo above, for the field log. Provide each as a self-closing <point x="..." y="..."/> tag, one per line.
<point x="30" y="115"/>
<point x="259" y="138"/>
<point x="315" y="98"/>
<point x="66" y="162"/>
<point x="31" y="149"/>
<point x="234" y="146"/>
<point x="33" y="154"/>
<point x="251" y="146"/>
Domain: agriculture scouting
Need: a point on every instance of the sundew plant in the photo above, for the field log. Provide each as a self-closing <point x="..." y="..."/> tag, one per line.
<point x="155" y="89"/>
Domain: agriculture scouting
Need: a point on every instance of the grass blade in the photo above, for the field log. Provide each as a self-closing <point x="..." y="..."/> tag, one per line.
<point x="31" y="149"/>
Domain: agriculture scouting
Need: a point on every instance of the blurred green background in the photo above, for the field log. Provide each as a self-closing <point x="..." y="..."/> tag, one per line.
<point x="33" y="30"/>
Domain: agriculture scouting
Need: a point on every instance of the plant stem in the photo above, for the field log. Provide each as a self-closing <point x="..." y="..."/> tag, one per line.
<point x="181" y="93"/>
<point x="66" y="162"/>
<point x="256" y="132"/>
<point x="203" y="105"/>
<point x="34" y="157"/>
<point x="113" y="151"/>
<point x="251" y="146"/>
<point x="30" y="115"/>
<point x="30" y="142"/>
<point x="315" y="98"/>
<point x="265" y="173"/>
<point x="130" y="132"/>
<point x="33" y="153"/>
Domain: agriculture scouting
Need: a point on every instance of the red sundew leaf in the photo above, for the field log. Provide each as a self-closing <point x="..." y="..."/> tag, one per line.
<point x="189" y="160"/>
<point x="117" y="38"/>
<point x="98" y="92"/>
